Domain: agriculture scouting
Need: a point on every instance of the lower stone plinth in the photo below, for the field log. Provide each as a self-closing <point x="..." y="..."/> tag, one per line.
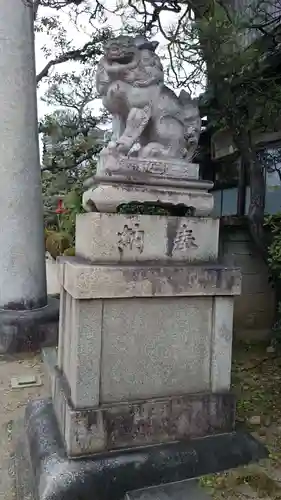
<point x="29" y="329"/>
<point x="139" y="423"/>
<point x="112" y="474"/>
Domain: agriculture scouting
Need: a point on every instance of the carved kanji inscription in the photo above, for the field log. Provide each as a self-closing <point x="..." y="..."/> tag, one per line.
<point x="131" y="237"/>
<point x="184" y="239"/>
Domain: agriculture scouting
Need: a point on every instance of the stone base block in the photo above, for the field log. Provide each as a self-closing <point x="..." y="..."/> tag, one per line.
<point x="120" y="238"/>
<point x="137" y="332"/>
<point x="113" y="474"/>
<point x="29" y="329"/>
<point x="119" y="350"/>
<point x="190" y="196"/>
<point x="139" y="423"/>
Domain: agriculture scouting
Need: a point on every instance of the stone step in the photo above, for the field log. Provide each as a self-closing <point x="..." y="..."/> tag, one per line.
<point x="184" y="490"/>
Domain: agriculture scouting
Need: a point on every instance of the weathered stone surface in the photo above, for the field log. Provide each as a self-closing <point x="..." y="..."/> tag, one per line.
<point x="133" y="424"/>
<point x="169" y="420"/>
<point x="29" y="330"/>
<point x="136" y="238"/>
<point x="112" y="164"/>
<point x="136" y="332"/>
<point x="64" y="347"/>
<point x="62" y="318"/>
<point x="60" y="404"/>
<point x="130" y="79"/>
<point x="254" y="309"/>
<point x="134" y="348"/>
<point x="84" y="432"/>
<point x="112" y="474"/>
<point x="221" y="349"/>
<point x="80" y="349"/>
<point x="22" y="253"/>
<point x="84" y="280"/>
<point x="154" y="348"/>
<point x="110" y="193"/>
<point x="50" y="361"/>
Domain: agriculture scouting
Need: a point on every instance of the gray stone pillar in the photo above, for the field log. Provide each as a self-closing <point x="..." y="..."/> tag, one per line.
<point x="22" y="253"/>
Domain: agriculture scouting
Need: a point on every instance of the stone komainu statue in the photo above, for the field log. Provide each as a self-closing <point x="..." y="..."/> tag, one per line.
<point x="130" y="80"/>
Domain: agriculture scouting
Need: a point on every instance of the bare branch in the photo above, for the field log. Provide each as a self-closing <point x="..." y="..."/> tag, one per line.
<point x="71" y="55"/>
<point x="59" y="4"/>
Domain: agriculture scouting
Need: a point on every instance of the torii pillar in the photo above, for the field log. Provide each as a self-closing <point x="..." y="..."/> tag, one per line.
<point x="25" y="313"/>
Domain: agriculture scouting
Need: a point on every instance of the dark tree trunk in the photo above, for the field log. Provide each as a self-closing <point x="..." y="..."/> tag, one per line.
<point x="257" y="189"/>
<point x="242" y="189"/>
<point x="257" y="201"/>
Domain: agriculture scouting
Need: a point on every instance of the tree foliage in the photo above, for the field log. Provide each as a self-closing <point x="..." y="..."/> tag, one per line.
<point x="71" y="136"/>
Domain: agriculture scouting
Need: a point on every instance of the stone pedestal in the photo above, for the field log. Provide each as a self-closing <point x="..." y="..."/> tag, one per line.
<point x="141" y="386"/>
<point x="146" y="296"/>
<point x="22" y="253"/>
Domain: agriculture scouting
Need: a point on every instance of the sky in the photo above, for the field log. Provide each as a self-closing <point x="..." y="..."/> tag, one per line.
<point x="79" y="38"/>
<point x="79" y="35"/>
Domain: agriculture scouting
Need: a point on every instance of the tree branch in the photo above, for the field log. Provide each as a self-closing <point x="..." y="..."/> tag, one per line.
<point x="35" y="8"/>
<point x="71" y="55"/>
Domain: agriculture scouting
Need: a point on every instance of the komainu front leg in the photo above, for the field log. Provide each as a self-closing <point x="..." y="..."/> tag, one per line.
<point x="136" y="123"/>
<point x="118" y="127"/>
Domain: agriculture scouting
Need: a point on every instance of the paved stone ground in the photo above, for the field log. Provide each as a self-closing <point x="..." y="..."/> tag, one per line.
<point x="256" y="381"/>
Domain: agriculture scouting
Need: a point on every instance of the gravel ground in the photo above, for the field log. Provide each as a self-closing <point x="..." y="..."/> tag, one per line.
<point x="12" y="406"/>
<point x="256" y="377"/>
<point x="256" y="381"/>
